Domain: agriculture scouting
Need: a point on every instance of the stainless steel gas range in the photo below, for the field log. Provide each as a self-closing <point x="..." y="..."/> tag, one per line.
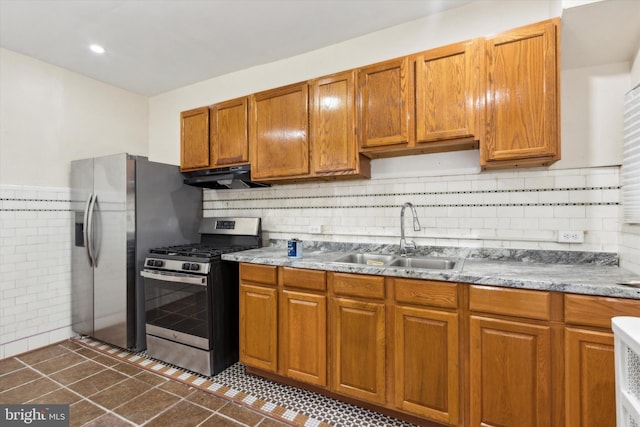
<point x="191" y="296"/>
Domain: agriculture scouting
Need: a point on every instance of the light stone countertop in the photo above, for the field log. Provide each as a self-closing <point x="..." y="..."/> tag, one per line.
<point x="590" y="278"/>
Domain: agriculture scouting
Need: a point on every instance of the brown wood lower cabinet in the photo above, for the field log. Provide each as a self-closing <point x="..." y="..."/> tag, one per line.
<point x="426" y="363"/>
<point x="589" y="358"/>
<point x="259" y="317"/>
<point x="359" y="348"/>
<point x="435" y="353"/>
<point x="259" y="327"/>
<point x="510" y="373"/>
<point x="303" y="329"/>
<point x="590" y="378"/>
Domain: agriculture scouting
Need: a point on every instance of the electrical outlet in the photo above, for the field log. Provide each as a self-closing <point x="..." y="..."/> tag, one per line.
<point x="315" y="229"/>
<point x="570" y="236"/>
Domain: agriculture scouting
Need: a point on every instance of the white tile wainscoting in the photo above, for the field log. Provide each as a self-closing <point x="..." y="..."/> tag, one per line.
<point x="510" y="209"/>
<point x="35" y="267"/>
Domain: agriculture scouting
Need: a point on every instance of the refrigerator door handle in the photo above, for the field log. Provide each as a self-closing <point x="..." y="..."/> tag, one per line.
<point x="90" y="242"/>
<point x="85" y="232"/>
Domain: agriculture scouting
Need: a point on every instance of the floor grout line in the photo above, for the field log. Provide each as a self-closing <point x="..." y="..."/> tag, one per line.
<point x="340" y="412"/>
<point x="267" y="399"/>
<point x="82" y="397"/>
<point x="87" y="398"/>
<point x="188" y="375"/>
<point x="181" y="398"/>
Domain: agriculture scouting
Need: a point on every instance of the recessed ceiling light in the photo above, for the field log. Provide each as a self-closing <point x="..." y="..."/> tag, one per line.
<point x="96" y="48"/>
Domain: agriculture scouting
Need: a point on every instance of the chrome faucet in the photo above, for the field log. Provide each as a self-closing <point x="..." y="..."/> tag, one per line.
<point x="404" y="245"/>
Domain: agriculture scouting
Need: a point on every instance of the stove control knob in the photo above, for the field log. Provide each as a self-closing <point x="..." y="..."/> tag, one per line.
<point x="150" y="263"/>
<point x="158" y="263"/>
<point x="185" y="266"/>
<point x="195" y="267"/>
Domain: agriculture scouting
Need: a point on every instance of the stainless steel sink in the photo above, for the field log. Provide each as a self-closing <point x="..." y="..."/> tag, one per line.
<point x="424" y="262"/>
<point x="368" y="259"/>
<point x="431" y="263"/>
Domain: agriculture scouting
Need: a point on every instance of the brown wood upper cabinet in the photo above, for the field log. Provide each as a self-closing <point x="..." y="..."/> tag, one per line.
<point x="194" y="139"/>
<point x="383" y="98"/>
<point x="427" y="102"/>
<point x="215" y="136"/>
<point x="279" y="136"/>
<point x="447" y="90"/>
<point x="334" y="149"/>
<point x="307" y="130"/>
<point x="522" y="98"/>
<point x="500" y="93"/>
<point x="228" y="134"/>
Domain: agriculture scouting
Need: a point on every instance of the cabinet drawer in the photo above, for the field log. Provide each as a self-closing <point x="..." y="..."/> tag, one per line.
<point x="424" y="292"/>
<point x="597" y="311"/>
<point x="357" y="285"/>
<point x="304" y="279"/>
<point x="511" y="302"/>
<point x="255" y="273"/>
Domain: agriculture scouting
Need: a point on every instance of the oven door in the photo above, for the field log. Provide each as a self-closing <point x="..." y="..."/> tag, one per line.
<point x="178" y="307"/>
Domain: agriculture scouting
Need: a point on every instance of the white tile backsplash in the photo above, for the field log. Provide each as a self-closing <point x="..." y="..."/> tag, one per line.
<point x="516" y="208"/>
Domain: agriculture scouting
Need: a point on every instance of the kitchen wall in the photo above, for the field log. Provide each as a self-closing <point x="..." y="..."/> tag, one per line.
<point x="49" y="116"/>
<point x="591" y="149"/>
<point x="630" y="233"/>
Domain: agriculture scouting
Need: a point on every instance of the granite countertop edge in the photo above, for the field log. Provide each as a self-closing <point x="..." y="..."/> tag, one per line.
<point x="587" y="279"/>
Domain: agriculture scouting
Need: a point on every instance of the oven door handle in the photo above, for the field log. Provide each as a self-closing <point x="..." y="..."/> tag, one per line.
<point x="191" y="280"/>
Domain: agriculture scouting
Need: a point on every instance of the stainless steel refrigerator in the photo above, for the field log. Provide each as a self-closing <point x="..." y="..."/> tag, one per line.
<point x="123" y="206"/>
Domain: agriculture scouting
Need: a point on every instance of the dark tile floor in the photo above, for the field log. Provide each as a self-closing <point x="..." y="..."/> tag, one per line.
<point x="103" y="391"/>
<point x="109" y="386"/>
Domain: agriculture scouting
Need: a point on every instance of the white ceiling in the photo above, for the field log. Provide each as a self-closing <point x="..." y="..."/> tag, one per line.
<point x="153" y="46"/>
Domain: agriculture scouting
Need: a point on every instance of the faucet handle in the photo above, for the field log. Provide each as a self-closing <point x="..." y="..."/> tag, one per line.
<point x="404" y="245"/>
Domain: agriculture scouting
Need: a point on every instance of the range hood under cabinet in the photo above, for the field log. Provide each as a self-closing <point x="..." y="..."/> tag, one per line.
<point x="230" y="177"/>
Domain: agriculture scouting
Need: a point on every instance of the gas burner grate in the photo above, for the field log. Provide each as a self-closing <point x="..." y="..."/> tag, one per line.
<point x="198" y="250"/>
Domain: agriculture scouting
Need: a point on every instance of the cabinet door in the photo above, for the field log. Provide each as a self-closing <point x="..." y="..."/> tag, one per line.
<point x="259" y="327"/>
<point x="194" y="138"/>
<point x="229" y="135"/>
<point x="426" y="363"/>
<point x="590" y="378"/>
<point x="278" y="135"/>
<point x="303" y="322"/>
<point x="383" y="97"/>
<point x="510" y="373"/>
<point x="358" y="336"/>
<point x="522" y="97"/>
<point x="447" y="89"/>
<point x="333" y="128"/>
